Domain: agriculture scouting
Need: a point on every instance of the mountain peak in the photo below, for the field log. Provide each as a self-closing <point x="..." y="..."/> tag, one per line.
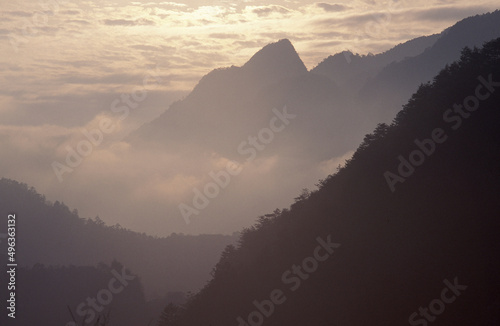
<point x="279" y="59"/>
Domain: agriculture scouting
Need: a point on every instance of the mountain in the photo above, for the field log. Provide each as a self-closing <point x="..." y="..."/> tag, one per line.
<point x="49" y="233"/>
<point x="275" y="62"/>
<point x="229" y="104"/>
<point x="55" y="295"/>
<point x="227" y="117"/>
<point x="406" y="232"/>
<point x="398" y="80"/>
<point x="353" y="70"/>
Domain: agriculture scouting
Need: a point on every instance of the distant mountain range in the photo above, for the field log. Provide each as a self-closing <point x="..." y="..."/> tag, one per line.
<point x="339" y="100"/>
<point x="335" y="105"/>
<point x="405" y="234"/>
<point x="392" y="86"/>
<point x="396" y="247"/>
<point x="352" y="71"/>
<point x="49" y="233"/>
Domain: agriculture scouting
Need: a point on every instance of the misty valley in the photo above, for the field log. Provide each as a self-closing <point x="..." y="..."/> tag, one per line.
<point x="362" y="191"/>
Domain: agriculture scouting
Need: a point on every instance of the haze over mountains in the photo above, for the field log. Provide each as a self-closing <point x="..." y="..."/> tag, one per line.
<point x="162" y="165"/>
<point x="337" y="102"/>
<point x="65" y="259"/>
<point x="50" y="234"/>
<point x="255" y="136"/>
<point x="402" y="77"/>
<point x="368" y="248"/>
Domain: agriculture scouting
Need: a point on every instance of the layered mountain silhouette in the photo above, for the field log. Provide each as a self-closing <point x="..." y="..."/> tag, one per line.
<point x="332" y="106"/>
<point x="353" y="70"/>
<point x="231" y="103"/>
<point x="57" y="295"/>
<point x="50" y="234"/>
<point x="397" y="81"/>
<point x="405" y="233"/>
<point x="414" y="211"/>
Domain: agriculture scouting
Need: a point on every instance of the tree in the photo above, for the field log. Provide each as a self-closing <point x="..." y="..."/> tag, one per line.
<point x="169" y="315"/>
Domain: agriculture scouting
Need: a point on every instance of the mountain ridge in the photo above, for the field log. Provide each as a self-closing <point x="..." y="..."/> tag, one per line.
<point x="277" y="60"/>
<point x="354" y="69"/>
<point x="402" y="78"/>
<point x="52" y="234"/>
<point x="216" y="121"/>
<point x="393" y="248"/>
<point x="351" y="75"/>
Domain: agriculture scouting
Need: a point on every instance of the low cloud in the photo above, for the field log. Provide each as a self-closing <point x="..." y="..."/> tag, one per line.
<point x="77" y="21"/>
<point x="116" y="78"/>
<point x="128" y="22"/>
<point x="226" y="36"/>
<point x="70" y="12"/>
<point x="146" y="47"/>
<point x="445" y="13"/>
<point x="148" y="184"/>
<point x="335" y="7"/>
<point x="264" y="11"/>
<point x="18" y="13"/>
<point x="326" y="44"/>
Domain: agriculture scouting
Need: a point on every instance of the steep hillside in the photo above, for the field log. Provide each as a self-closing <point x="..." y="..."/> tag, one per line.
<point x="63" y="296"/>
<point x="405" y="233"/>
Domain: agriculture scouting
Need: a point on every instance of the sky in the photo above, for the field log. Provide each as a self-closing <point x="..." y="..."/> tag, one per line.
<point x="64" y="63"/>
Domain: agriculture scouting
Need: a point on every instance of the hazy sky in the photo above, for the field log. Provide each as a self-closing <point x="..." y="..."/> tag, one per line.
<point x="63" y="63"/>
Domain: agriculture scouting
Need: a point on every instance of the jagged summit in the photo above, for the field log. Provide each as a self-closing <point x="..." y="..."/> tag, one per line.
<point x="273" y="63"/>
<point x="279" y="59"/>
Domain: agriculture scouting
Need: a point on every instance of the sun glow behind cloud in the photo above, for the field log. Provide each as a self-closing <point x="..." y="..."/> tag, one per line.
<point x="192" y="40"/>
